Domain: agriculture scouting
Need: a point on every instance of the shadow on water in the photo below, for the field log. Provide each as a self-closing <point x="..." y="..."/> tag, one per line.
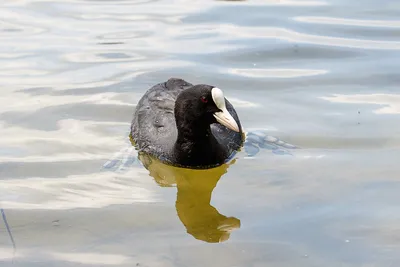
<point x="194" y="191"/>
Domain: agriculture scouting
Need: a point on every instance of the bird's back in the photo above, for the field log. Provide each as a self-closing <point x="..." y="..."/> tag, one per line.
<point x="153" y="127"/>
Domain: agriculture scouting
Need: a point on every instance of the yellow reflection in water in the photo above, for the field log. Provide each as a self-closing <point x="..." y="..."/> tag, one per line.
<point x="193" y="207"/>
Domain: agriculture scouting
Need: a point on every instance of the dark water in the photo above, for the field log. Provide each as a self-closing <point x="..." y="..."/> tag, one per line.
<point x="323" y="76"/>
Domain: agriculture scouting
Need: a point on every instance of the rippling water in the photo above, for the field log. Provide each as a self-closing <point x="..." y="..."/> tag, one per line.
<point x="322" y="75"/>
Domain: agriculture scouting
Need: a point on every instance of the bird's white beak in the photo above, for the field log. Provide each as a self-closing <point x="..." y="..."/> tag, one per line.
<point x="223" y="116"/>
<point x="227" y="120"/>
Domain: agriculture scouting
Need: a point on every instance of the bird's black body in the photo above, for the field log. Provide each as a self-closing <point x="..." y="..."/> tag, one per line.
<point x="171" y="123"/>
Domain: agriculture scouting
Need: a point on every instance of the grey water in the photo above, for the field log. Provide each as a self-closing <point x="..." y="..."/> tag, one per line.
<point x="321" y="75"/>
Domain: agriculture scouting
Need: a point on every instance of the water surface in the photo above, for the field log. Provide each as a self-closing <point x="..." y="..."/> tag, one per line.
<point x="322" y="75"/>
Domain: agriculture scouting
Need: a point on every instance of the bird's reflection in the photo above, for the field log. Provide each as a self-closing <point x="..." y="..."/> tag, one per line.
<point x="193" y="207"/>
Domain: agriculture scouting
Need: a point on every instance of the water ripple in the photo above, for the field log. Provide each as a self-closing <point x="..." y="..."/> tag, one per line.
<point x="297" y="37"/>
<point x="10" y="29"/>
<point x="276" y="73"/>
<point x="103" y="56"/>
<point x="80" y="191"/>
<point x="350" y="22"/>
<point x="391" y="102"/>
<point x="281" y="3"/>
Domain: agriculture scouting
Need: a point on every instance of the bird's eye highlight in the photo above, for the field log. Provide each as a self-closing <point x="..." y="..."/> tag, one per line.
<point x="204" y="99"/>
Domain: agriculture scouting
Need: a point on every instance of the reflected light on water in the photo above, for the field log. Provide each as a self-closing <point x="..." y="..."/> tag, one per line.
<point x="194" y="191"/>
<point x="91" y="258"/>
<point x="7" y="254"/>
<point x="277" y="73"/>
<point x="71" y="132"/>
<point x="391" y="102"/>
<point x="76" y="191"/>
<point x="350" y="22"/>
<point x="95" y="259"/>
<point x="243" y="103"/>
<point x="293" y="36"/>
<point x="281" y="2"/>
<point x="24" y="102"/>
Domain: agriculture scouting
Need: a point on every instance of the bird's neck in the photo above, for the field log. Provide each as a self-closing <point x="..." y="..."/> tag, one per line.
<point x="196" y="145"/>
<point x="193" y="130"/>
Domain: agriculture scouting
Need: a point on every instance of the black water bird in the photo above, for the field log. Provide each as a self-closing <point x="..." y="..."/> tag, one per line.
<point x="186" y="125"/>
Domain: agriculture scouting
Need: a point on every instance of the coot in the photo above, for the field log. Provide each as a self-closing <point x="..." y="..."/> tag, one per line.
<point x="186" y="125"/>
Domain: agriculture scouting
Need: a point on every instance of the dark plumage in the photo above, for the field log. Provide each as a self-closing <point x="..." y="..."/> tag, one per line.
<point x="180" y="124"/>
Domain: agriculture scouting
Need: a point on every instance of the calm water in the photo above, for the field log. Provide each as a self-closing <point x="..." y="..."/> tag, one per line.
<point x="322" y="75"/>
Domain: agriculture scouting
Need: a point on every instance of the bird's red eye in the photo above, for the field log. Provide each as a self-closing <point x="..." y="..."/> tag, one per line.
<point x="204" y="99"/>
